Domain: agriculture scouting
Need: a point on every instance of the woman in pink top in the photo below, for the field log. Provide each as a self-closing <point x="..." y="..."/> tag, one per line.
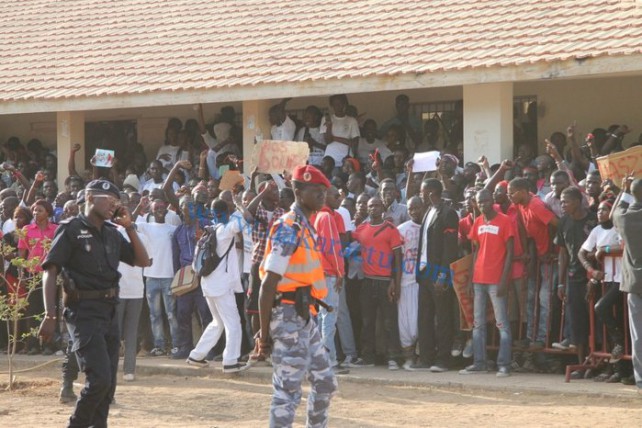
<point x="30" y="246"/>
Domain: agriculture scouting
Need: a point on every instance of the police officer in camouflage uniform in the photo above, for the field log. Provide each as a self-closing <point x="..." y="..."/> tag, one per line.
<point x="292" y="279"/>
<point x="88" y="249"/>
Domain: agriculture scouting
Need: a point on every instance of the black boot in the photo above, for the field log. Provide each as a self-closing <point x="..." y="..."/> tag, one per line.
<point x="67" y="392"/>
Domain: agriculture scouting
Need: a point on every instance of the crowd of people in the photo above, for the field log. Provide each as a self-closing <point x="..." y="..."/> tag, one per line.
<point x="545" y="233"/>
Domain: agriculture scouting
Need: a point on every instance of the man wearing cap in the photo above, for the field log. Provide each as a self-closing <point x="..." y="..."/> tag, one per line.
<point x="88" y="250"/>
<point x="292" y="281"/>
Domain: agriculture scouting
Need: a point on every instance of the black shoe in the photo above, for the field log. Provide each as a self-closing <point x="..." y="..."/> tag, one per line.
<point x="67" y="394"/>
<point x="235" y="368"/>
<point x="198" y="363"/>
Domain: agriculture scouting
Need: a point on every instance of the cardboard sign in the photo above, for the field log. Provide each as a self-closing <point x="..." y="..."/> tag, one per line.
<point x="230" y="180"/>
<point x="274" y="157"/>
<point x="104" y="158"/>
<point x="460" y="271"/>
<point x="426" y="161"/>
<point x="618" y="165"/>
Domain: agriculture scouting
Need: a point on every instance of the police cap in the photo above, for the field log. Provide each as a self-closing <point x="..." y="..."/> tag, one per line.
<point x="103" y="186"/>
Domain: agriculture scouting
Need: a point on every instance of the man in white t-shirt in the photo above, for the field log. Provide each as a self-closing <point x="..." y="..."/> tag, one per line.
<point x="409" y="297"/>
<point x="283" y="128"/>
<point x="369" y="142"/>
<point x="311" y="134"/>
<point x="340" y="131"/>
<point x="159" y="275"/>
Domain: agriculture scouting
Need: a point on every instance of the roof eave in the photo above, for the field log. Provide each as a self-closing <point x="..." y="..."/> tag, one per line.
<point x="604" y="66"/>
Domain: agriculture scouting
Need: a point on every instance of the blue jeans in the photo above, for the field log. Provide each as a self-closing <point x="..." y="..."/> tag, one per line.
<point x="482" y="292"/>
<point x="157" y="289"/>
<point x="328" y="320"/>
<point x="547" y="285"/>
<point x="344" y="325"/>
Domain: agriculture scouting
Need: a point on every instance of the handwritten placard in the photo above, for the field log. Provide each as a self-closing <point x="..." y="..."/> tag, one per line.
<point x="274" y="157"/>
<point x="230" y="179"/>
<point x="618" y="165"/>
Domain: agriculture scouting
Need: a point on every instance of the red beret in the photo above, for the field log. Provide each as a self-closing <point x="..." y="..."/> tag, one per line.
<point x="355" y="164"/>
<point x="503" y="184"/>
<point x="309" y="174"/>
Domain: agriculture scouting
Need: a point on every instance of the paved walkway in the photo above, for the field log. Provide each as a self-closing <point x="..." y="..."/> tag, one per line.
<point x="518" y="383"/>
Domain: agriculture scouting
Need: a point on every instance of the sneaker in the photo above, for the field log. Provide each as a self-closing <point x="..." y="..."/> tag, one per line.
<point x="393" y="365"/>
<point x="157" y="352"/>
<point x="457" y="349"/>
<point x="407" y="365"/>
<point x="473" y="369"/>
<point x="503" y="372"/>
<point x="349" y="361"/>
<point x="340" y="370"/>
<point x="129" y="377"/>
<point x="616" y="353"/>
<point x="577" y="375"/>
<point x="438" y="368"/>
<point x="232" y="368"/>
<point x="418" y="367"/>
<point x="198" y="363"/>
<point x="468" y="349"/>
<point x="563" y="345"/>
<point x="178" y="354"/>
<point x="361" y="363"/>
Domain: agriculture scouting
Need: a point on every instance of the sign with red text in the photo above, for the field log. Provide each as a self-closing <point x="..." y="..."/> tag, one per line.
<point x="618" y="165"/>
<point x="274" y="157"/>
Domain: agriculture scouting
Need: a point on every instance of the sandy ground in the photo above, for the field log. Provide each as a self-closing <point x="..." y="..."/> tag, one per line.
<point x="238" y="401"/>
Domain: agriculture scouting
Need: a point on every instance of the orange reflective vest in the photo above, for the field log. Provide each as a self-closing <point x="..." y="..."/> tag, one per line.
<point x="304" y="268"/>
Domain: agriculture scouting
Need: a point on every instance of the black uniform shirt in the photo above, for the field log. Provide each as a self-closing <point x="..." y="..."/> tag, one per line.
<point x="90" y="256"/>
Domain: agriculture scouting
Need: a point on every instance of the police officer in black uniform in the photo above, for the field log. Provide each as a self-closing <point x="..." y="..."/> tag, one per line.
<point x="88" y="250"/>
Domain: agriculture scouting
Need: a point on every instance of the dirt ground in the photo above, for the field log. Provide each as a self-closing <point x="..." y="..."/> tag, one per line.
<point x="238" y="401"/>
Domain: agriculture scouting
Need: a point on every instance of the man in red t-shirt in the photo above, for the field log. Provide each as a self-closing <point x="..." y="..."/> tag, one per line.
<point x="541" y="225"/>
<point x="381" y="252"/>
<point x="492" y="237"/>
<point x="329" y="245"/>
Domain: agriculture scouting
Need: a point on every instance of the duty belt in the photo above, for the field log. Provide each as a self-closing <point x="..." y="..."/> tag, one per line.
<point x="108" y="293"/>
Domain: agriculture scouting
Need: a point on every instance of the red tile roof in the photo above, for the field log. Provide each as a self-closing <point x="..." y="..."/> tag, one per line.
<point x="53" y="49"/>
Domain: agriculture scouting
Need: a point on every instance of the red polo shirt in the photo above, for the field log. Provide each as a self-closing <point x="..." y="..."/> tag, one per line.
<point x="377" y="245"/>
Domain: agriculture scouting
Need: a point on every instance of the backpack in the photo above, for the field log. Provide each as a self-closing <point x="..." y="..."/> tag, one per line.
<point x="206" y="260"/>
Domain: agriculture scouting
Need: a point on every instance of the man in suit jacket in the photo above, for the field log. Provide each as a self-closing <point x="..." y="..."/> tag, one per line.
<point x="437" y="249"/>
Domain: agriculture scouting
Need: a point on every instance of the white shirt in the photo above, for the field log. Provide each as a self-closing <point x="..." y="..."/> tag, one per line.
<point x="344" y="127"/>
<point x="245" y="255"/>
<point x="365" y="149"/>
<point x="8" y="226"/>
<point x="347" y="221"/>
<point x="423" y="262"/>
<point x="131" y="281"/>
<point x="600" y="237"/>
<point x="159" y="249"/>
<point x="226" y="278"/>
<point x="316" y="154"/>
<point x="285" y="131"/>
<point x="172" y="151"/>
<point x="150" y="184"/>
<point x="410" y="234"/>
<point x="170" y="218"/>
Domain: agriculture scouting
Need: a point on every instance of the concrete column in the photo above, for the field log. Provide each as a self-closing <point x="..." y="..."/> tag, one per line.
<point x="70" y="127"/>
<point x="256" y="126"/>
<point x="488" y="122"/>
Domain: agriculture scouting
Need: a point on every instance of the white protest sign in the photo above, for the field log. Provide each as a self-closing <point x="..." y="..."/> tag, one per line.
<point x="426" y="161"/>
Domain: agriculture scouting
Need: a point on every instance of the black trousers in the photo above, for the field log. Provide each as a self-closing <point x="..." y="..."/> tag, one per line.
<point x="436" y="319"/>
<point x="375" y="303"/>
<point x="576" y="301"/>
<point x="611" y="299"/>
<point x="93" y="327"/>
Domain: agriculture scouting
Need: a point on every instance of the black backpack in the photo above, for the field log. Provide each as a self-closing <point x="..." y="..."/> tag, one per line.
<point x="206" y="260"/>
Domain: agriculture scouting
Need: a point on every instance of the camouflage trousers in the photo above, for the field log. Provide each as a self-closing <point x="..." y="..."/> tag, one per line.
<point x="298" y="351"/>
